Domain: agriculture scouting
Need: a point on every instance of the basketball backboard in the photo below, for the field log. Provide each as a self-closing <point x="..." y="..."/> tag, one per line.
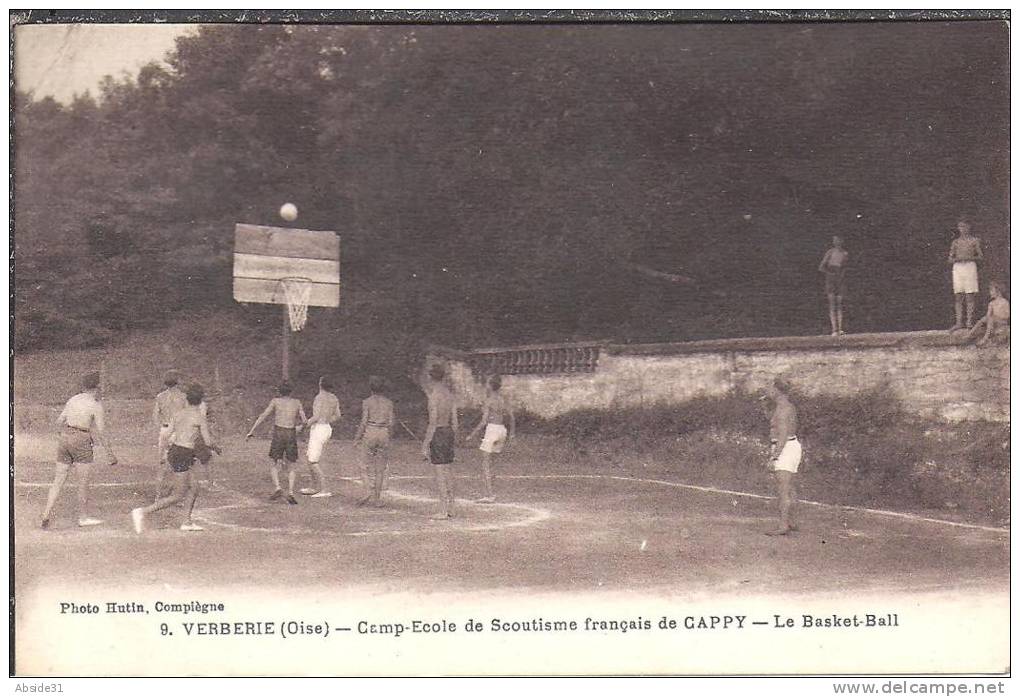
<point x="264" y="256"/>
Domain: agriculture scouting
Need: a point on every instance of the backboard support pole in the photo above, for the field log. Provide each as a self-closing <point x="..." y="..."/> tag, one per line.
<point x="286" y="345"/>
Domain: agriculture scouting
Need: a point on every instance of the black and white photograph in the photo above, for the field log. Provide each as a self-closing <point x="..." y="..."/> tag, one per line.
<point x="521" y="343"/>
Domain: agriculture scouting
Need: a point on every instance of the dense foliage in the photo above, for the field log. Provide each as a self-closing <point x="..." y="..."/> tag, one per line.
<point x="508" y="184"/>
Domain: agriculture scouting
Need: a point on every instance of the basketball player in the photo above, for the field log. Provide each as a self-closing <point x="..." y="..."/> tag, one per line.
<point x="325" y="411"/>
<point x="785" y="452"/>
<point x="438" y="444"/>
<point x="496" y="417"/>
<point x="373" y="436"/>
<point x="168" y="402"/>
<point x="80" y="422"/>
<point x="288" y="418"/>
<point x="187" y="425"/>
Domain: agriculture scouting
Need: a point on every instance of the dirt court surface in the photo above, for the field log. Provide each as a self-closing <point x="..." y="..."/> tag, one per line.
<point x="555" y="528"/>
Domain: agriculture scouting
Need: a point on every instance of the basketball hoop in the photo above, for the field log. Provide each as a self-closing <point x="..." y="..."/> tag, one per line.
<point x="297" y="291"/>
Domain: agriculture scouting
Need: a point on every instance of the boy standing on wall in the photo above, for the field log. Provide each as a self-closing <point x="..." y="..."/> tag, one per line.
<point x="964" y="255"/>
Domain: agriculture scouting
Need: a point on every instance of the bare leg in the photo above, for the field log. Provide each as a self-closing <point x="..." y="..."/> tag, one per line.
<point x="958" y="305"/>
<point x="181" y="484"/>
<point x="971" y="301"/>
<point x="487" y="477"/>
<point x="59" y="477"/>
<point x="317" y="476"/>
<point x="977" y="330"/>
<point x="791" y="518"/>
<point x="190" y="496"/>
<point x="832" y="315"/>
<point x="366" y="478"/>
<point x="274" y="473"/>
<point x="380" y="479"/>
<point x="784" y="489"/>
<point x="180" y="489"/>
<point x="839" y="314"/>
<point x="443" y="492"/>
<point x="84" y="476"/>
<point x="161" y="481"/>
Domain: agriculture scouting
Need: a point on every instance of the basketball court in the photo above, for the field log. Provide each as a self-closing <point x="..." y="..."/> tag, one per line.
<point x="553" y="528"/>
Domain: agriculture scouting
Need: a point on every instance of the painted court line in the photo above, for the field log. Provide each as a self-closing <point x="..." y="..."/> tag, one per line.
<point x="745" y="494"/>
<point x="537" y="515"/>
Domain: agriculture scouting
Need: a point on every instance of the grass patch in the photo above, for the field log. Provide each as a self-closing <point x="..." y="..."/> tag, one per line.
<point x="862" y="450"/>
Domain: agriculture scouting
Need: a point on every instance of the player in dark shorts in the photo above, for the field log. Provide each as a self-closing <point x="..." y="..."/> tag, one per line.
<point x="438" y="444"/>
<point x="187" y="426"/>
<point x="834" y="267"/>
<point x="288" y="418"/>
<point x="373" y="440"/>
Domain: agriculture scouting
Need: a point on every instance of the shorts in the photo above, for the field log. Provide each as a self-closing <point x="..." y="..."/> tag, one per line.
<point x="494" y="438"/>
<point x="375" y="440"/>
<point x="965" y="277"/>
<point x="180" y="458"/>
<point x="441" y="447"/>
<point x="789" y="457"/>
<point x="202" y="451"/>
<point x="318" y="436"/>
<point x="74" y="446"/>
<point x="835" y="283"/>
<point x="284" y="444"/>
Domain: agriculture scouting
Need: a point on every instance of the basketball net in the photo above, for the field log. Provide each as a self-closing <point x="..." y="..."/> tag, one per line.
<point x="297" y="292"/>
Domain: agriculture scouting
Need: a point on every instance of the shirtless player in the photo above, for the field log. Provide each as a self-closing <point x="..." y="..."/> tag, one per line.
<point x="497" y="416"/>
<point x="81" y="421"/>
<point x="373" y="436"/>
<point x="785" y="452"/>
<point x="288" y="418"/>
<point x="325" y="410"/>
<point x="187" y="425"/>
<point x="438" y="444"/>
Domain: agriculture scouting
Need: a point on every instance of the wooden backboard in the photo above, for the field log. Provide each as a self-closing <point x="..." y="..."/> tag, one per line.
<point x="264" y="255"/>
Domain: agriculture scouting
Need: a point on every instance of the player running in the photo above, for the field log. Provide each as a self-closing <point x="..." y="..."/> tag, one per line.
<point x="80" y="422"/>
<point x="373" y="436"/>
<point x="288" y="419"/>
<point x="187" y="425"/>
<point x="496" y="417"/>
<point x="438" y="444"/>
<point x="325" y="410"/>
<point x="168" y="402"/>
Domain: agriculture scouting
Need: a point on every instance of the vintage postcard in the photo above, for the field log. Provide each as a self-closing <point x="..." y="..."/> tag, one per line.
<point x="510" y="344"/>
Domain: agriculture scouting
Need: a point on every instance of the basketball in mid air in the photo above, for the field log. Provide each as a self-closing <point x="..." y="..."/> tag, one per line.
<point x="288" y="212"/>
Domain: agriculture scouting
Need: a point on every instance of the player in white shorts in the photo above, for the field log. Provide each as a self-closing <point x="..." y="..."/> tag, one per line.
<point x="498" y="419"/>
<point x="325" y="410"/>
<point x="785" y="452"/>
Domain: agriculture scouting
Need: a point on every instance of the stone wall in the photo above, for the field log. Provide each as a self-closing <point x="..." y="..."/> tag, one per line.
<point x="929" y="372"/>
